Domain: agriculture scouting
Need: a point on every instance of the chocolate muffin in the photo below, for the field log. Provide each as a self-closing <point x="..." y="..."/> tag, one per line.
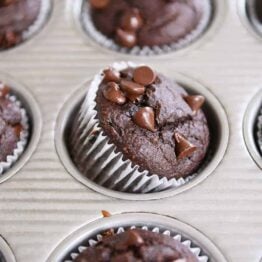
<point x="146" y="23"/>
<point x="10" y="125"/>
<point x="16" y="16"/>
<point x="153" y="121"/>
<point x="137" y="245"/>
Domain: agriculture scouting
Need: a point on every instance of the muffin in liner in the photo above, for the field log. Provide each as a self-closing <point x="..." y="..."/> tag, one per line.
<point x="196" y="250"/>
<point x="104" y="41"/>
<point x="37" y="25"/>
<point x="259" y="131"/>
<point x="103" y="163"/>
<point x="21" y="145"/>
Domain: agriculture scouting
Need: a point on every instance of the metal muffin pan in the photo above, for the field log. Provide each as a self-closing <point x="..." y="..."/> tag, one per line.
<point x="217" y="121"/>
<point x="6" y="254"/>
<point x="43" y="203"/>
<point x="89" y="231"/>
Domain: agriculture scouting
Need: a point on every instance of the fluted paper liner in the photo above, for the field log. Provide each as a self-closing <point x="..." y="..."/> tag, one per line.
<point x="20" y="147"/>
<point x="104" y="164"/>
<point x="103" y="40"/>
<point x="196" y="250"/>
<point x="259" y="132"/>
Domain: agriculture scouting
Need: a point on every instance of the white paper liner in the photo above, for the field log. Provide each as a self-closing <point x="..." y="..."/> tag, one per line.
<point x="101" y="39"/>
<point x="259" y="131"/>
<point x="20" y="147"/>
<point x="40" y="21"/>
<point x="195" y="249"/>
<point x="104" y="164"/>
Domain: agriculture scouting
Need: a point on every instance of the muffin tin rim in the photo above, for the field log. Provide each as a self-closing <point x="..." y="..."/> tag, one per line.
<point x="35" y="121"/>
<point x="217" y="19"/>
<point x="251" y="25"/>
<point x="6" y="250"/>
<point x="249" y="121"/>
<point x="136" y="218"/>
<point x="70" y="167"/>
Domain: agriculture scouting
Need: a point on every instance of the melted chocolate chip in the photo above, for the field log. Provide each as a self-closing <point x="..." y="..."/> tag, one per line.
<point x="134" y="98"/>
<point x="126" y="38"/>
<point x="131" y="20"/>
<point x="195" y="102"/>
<point x="145" y="118"/>
<point x="132" y="88"/>
<point x="99" y="4"/>
<point x="183" y="147"/>
<point x="105" y="213"/>
<point x="4" y="91"/>
<point x="112" y="92"/>
<point x="144" y="75"/>
<point x="111" y="75"/>
<point x="134" y="239"/>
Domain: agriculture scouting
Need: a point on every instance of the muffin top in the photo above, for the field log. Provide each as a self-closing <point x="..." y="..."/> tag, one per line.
<point x="137" y="246"/>
<point x="153" y="121"/>
<point x="10" y="124"/>
<point x="147" y="22"/>
<point x="16" y="16"/>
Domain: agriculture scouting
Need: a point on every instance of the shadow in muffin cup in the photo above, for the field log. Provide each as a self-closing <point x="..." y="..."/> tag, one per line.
<point x="248" y="14"/>
<point x="88" y="235"/>
<point x="34" y="123"/>
<point x="219" y="130"/>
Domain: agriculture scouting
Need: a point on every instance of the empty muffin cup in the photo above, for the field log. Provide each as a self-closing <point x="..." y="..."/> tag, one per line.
<point x="134" y="40"/>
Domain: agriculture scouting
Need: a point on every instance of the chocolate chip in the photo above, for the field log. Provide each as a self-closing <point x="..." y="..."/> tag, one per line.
<point x="18" y="129"/>
<point x="134" y="98"/>
<point x="112" y="92"/>
<point x="144" y="75"/>
<point x="111" y="75"/>
<point x="132" y="88"/>
<point x="99" y="4"/>
<point x="126" y="38"/>
<point x="134" y="239"/>
<point x="105" y="213"/>
<point x="145" y="118"/>
<point x="5" y="90"/>
<point x="183" y="147"/>
<point x="195" y="102"/>
<point x="131" y="20"/>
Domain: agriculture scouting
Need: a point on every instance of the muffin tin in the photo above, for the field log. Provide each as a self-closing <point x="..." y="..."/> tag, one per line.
<point x="6" y="254"/>
<point x="41" y="204"/>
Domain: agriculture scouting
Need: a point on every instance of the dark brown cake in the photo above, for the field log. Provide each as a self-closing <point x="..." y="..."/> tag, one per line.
<point x="10" y="125"/>
<point x="137" y="246"/>
<point x="16" y="16"/>
<point x="153" y="121"/>
<point x="147" y="22"/>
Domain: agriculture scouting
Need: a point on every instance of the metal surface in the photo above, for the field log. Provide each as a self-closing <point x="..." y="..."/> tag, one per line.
<point x="42" y="204"/>
<point x="6" y="252"/>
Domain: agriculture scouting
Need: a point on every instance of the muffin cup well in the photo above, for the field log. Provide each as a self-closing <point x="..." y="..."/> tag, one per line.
<point x="252" y="15"/>
<point x="259" y="131"/>
<point x="104" y="41"/>
<point x="21" y="145"/>
<point x="6" y="254"/>
<point x="104" y="164"/>
<point x="186" y="242"/>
